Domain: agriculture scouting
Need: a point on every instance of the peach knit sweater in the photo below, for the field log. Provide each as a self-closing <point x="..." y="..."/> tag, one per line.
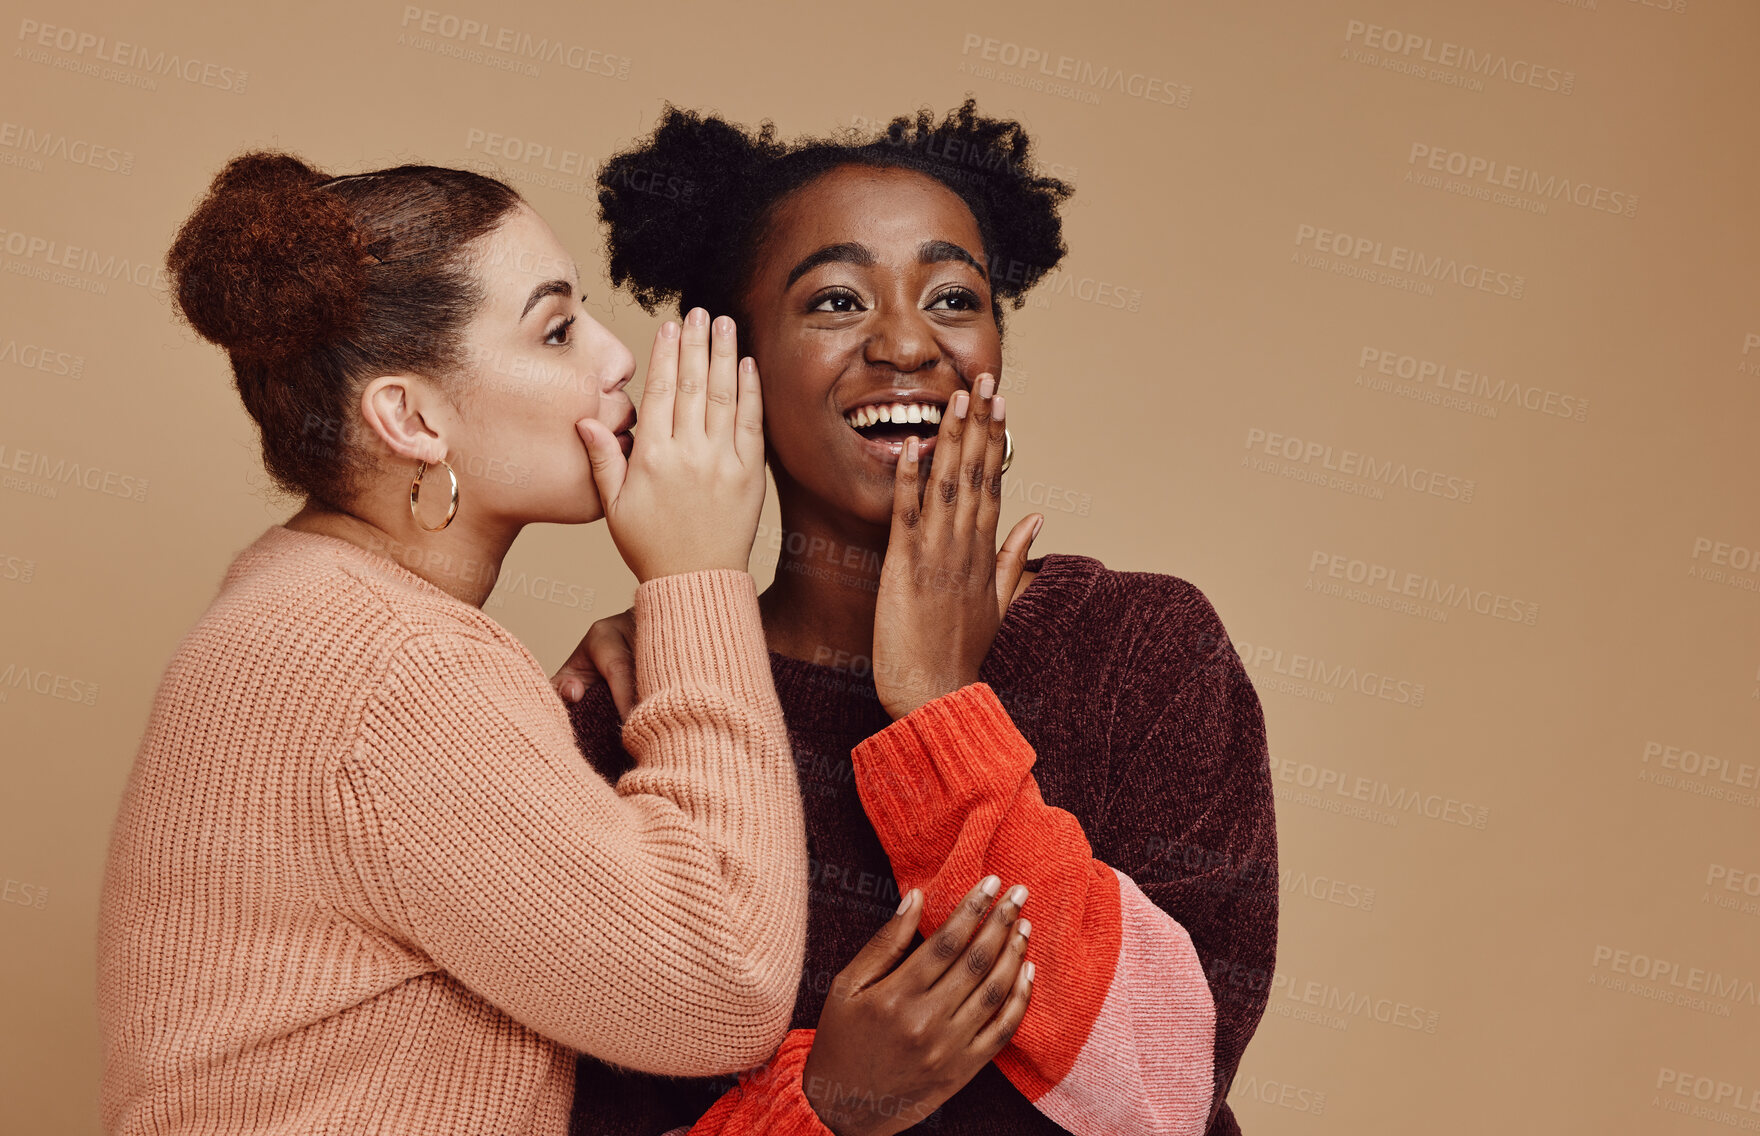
<point x="363" y="881"/>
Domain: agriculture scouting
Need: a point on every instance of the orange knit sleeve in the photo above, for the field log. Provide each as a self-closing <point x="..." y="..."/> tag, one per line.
<point x="1119" y="1036"/>
<point x="770" y="1100"/>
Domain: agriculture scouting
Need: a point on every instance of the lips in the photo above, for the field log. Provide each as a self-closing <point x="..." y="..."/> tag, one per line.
<point x="626" y="439"/>
<point x="891" y="452"/>
<point x="883" y="421"/>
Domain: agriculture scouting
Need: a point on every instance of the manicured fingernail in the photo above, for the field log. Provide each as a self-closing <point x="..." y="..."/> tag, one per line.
<point x="1028" y="969"/>
<point x="723" y="325"/>
<point x="996" y="408"/>
<point x="1017" y="894"/>
<point x="986" y="387"/>
<point x="904" y="904"/>
<point x="747" y="365"/>
<point x="697" y="318"/>
<point x="910" y="448"/>
<point x="1025" y="927"/>
<point x="959" y="404"/>
<point x="668" y="330"/>
<point x="991" y="885"/>
<point x="1037" y="525"/>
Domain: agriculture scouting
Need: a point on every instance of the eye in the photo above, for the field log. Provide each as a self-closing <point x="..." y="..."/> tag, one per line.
<point x="957" y="300"/>
<point x="840" y="300"/>
<point x="558" y="335"/>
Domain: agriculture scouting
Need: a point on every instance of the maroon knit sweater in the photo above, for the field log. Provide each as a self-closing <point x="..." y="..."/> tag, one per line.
<point x="1146" y="730"/>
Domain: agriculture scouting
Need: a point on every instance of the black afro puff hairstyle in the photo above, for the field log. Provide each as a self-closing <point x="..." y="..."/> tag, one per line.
<point x="685" y="209"/>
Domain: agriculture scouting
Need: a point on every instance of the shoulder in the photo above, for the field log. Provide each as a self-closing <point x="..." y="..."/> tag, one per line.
<point x="1151" y="624"/>
<point x="317" y="610"/>
<point x="288" y="605"/>
<point x="1176" y="685"/>
<point x="1150" y="648"/>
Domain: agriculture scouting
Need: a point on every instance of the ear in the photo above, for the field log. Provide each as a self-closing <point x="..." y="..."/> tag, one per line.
<point x="404" y="413"/>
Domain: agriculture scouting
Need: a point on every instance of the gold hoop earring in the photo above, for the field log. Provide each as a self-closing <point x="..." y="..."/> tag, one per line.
<point x="1007" y="449"/>
<point x="415" y="492"/>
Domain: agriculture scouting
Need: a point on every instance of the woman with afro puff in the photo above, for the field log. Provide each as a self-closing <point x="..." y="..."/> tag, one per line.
<point x="957" y="714"/>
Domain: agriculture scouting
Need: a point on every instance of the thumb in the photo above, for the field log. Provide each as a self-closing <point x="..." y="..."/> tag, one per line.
<point x="1011" y="559"/>
<point x="882" y="952"/>
<point x="573" y="677"/>
<point x="611" y="646"/>
<point x="606" y="457"/>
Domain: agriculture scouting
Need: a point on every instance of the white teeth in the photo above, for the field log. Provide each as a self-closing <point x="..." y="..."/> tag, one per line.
<point x="864" y="416"/>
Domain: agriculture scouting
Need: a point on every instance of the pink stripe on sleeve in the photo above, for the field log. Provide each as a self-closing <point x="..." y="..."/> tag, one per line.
<point x="1146" y="1065"/>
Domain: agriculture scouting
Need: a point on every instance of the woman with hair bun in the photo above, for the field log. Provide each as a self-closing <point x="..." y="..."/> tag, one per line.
<point x="953" y="709"/>
<point x="362" y="879"/>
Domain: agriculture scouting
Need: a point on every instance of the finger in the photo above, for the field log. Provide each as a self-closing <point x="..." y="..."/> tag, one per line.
<point x="693" y="376"/>
<point x="1011" y="560"/>
<point x="992" y="992"/>
<point x="574" y="676"/>
<point x="723" y="392"/>
<point x="964" y="978"/>
<point x="661" y="386"/>
<point x="988" y="493"/>
<point x="943" y="949"/>
<point x="971" y="471"/>
<point x="613" y="656"/>
<point x="606" y="458"/>
<point x="942" y="491"/>
<point x="907" y="516"/>
<point x="623" y="688"/>
<point x="1000" y="1030"/>
<point x="623" y="681"/>
<point x="748" y="435"/>
<point x="881" y="953"/>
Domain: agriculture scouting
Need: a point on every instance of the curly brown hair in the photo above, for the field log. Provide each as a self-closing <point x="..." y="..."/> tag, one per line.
<point x="315" y="284"/>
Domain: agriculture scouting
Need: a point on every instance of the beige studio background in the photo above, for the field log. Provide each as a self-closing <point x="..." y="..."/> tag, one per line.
<point x="1423" y="337"/>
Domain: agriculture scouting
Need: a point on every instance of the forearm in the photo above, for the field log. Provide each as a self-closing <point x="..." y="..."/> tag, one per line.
<point x="658" y="924"/>
<point x="708" y="737"/>
<point x="1120" y="1033"/>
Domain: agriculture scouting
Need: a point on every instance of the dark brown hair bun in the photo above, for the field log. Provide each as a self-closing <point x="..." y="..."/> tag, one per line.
<point x="314" y="284"/>
<point x="268" y="264"/>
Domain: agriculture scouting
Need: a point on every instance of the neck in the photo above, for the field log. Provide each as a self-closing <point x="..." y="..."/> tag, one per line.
<point x="820" y="607"/>
<point x="463" y="560"/>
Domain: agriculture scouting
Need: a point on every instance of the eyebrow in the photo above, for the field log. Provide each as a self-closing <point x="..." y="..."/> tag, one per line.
<point x="848" y="252"/>
<point x="934" y="252"/>
<point x="548" y="288"/>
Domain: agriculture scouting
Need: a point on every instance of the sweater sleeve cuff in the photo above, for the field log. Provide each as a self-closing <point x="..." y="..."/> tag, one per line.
<point x="700" y="629"/>
<point x="771" y="1100"/>
<point x="941" y="756"/>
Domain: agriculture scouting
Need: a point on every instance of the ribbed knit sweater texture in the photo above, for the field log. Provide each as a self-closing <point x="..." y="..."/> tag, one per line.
<point x="363" y="880"/>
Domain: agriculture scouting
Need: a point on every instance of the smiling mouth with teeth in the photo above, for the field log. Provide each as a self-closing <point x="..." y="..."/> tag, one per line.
<point x="895" y="421"/>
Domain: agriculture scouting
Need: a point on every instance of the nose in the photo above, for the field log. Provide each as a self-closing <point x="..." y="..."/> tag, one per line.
<point x="900" y="338"/>
<point x="621" y="362"/>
